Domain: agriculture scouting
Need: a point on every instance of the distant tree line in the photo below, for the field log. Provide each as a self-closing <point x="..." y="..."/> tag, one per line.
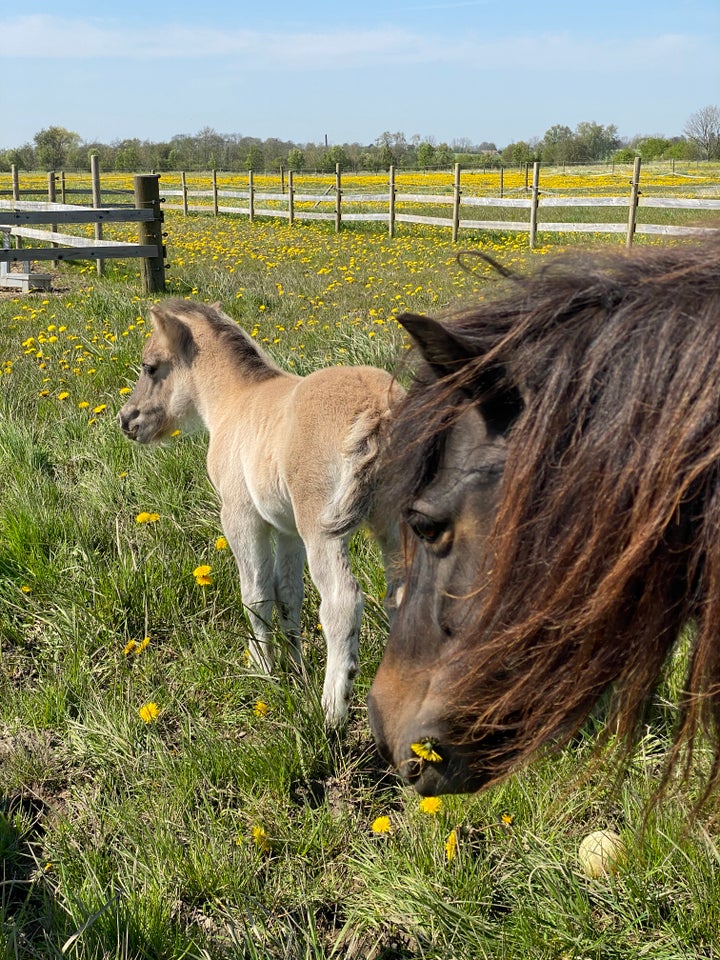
<point x="56" y="148"/>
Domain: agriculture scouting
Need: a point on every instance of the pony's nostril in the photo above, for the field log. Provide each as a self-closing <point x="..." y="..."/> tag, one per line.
<point x="411" y="769"/>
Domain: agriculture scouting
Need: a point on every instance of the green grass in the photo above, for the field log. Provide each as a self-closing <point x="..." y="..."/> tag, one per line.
<point x="220" y="830"/>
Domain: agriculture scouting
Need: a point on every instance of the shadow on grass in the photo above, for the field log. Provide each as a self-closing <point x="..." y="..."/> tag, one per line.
<point x="28" y="913"/>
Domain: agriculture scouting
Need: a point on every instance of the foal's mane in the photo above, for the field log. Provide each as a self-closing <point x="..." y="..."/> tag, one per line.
<point x="240" y="346"/>
<point x="605" y="551"/>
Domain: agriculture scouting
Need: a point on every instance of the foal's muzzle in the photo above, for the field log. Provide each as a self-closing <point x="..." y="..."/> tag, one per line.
<point x="129" y="423"/>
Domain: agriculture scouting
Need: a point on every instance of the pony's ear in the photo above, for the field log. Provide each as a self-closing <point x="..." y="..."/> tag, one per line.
<point x="174" y="332"/>
<point x="442" y="350"/>
<point x="499" y="399"/>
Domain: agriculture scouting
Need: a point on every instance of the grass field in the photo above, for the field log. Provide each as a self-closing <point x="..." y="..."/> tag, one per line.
<point x="159" y="799"/>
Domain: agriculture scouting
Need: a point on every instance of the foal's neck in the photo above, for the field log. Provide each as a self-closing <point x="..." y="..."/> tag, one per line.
<point x="233" y="350"/>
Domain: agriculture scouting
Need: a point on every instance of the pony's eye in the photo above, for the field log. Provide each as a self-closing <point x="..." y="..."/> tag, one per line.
<point x="428" y="529"/>
<point x="150" y="369"/>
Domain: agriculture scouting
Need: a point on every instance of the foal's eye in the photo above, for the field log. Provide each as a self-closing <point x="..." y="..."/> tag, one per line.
<point x="150" y="368"/>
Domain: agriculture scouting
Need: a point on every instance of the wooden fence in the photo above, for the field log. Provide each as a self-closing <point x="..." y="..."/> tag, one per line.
<point x="524" y="212"/>
<point x="383" y="207"/>
<point x="20" y="220"/>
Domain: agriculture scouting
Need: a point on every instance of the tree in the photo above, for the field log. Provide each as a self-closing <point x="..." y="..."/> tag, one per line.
<point x="52" y="146"/>
<point x="255" y="159"/>
<point x="296" y="159"/>
<point x="596" y="141"/>
<point x="334" y="156"/>
<point x="556" y="145"/>
<point x="520" y="152"/>
<point x="652" y="148"/>
<point x="444" y="156"/>
<point x="703" y="128"/>
<point x="425" y="155"/>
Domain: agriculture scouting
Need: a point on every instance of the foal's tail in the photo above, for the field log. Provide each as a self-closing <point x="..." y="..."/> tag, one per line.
<point x="360" y="473"/>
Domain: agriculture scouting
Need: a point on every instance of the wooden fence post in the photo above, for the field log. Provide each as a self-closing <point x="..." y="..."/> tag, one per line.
<point x="95" y="175"/>
<point x="183" y="187"/>
<point x="51" y="199"/>
<point x="456" y="204"/>
<point x="502" y="182"/>
<point x="62" y="186"/>
<point x="215" y="193"/>
<point x="291" y="198"/>
<point x="16" y="196"/>
<point x="147" y="196"/>
<point x="634" y="194"/>
<point x="338" y="198"/>
<point x="391" y="200"/>
<point x="251" y="186"/>
<point x="534" y="203"/>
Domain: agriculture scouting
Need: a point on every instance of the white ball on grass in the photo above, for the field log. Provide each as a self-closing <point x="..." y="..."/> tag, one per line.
<point x="601" y="852"/>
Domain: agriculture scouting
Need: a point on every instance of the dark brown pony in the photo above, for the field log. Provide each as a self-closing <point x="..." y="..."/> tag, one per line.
<point x="558" y="474"/>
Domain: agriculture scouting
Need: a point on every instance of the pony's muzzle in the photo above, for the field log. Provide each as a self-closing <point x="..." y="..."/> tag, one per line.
<point x="421" y="755"/>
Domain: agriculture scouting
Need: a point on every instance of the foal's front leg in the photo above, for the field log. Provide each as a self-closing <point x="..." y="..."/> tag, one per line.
<point x="341" y="607"/>
<point x="250" y="539"/>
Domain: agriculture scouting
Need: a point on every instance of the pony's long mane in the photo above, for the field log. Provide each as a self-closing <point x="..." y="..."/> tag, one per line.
<point x="606" y="544"/>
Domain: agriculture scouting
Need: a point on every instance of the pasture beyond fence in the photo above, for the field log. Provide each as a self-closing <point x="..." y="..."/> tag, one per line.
<point x="385" y="206"/>
<point x="386" y="203"/>
<point x="20" y="219"/>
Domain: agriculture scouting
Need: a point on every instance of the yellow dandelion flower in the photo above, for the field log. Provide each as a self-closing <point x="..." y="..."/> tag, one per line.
<point x="99" y="408"/>
<point x="381" y="825"/>
<point x="176" y="433"/>
<point x="202" y="575"/>
<point x="149" y="712"/>
<point x="261" y="709"/>
<point x="507" y="819"/>
<point x="83" y="404"/>
<point x="260" y="839"/>
<point x="146" y="517"/>
<point x="425" y="749"/>
<point x="451" y="846"/>
<point x="63" y="395"/>
<point x="141" y="646"/>
<point x="125" y="390"/>
<point x="221" y="543"/>
<point x="431" y="805"/>
<point x="129" y="647"/>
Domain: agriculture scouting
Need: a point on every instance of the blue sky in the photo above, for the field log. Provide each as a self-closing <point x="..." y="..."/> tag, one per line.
<point x="493" y="70"/>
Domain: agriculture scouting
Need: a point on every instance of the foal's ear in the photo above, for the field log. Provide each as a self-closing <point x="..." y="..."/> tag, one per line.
<point x="500" y="401"/>
<point x="174" y="332"/>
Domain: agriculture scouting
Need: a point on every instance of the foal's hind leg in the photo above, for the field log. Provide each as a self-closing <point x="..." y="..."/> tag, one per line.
<point x="386" y="531"/>
<point x="341" y="607"/>
<point x="288" y="579"/>
<point x="251" y="543"/>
